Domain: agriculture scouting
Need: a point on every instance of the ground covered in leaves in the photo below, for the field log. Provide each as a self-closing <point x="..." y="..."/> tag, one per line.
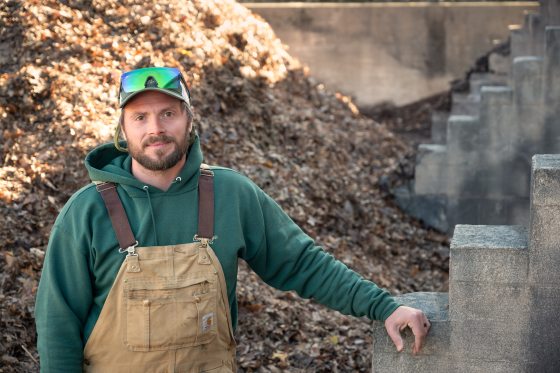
<point x="257" y="111"/>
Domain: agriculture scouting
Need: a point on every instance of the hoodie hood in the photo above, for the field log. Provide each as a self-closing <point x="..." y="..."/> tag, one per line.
<point x="107" y="164"/>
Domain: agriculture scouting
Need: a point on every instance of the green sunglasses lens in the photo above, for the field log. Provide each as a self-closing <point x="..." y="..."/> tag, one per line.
<point x="156" y="77"/>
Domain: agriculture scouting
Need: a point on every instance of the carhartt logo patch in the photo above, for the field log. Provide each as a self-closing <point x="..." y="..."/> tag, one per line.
<point x="207" y="322"/>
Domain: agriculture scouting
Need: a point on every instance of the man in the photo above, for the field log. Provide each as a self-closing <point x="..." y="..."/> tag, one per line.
<point x="140" y="272"/>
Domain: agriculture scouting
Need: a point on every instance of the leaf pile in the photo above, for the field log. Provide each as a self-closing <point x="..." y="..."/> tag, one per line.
<point x="257" y="110"/>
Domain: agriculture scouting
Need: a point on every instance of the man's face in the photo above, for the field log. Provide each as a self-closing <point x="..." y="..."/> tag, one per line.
<point x="156" y="130"/>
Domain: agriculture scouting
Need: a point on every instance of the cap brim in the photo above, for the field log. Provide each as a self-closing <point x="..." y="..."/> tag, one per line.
<point x="167" y="92"/>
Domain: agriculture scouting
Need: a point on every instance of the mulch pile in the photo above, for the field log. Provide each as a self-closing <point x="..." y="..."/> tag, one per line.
<point x="257" y="110"/>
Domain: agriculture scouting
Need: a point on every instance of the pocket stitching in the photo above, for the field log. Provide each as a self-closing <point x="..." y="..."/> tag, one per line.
<point x="208" y="337"/>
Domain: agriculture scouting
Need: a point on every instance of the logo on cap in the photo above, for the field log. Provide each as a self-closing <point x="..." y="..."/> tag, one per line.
<point x="151" y="83"/>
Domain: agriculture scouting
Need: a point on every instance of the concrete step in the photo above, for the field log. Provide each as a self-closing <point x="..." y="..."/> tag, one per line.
<point x="435" y="355"/>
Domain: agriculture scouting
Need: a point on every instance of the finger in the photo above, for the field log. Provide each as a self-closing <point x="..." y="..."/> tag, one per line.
<point x="419" y="329"/>
<point x="395" y="336"/>
<point x="427" y="324"/>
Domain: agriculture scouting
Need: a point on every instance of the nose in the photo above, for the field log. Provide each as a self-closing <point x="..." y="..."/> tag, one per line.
<point x="155" y="126"/>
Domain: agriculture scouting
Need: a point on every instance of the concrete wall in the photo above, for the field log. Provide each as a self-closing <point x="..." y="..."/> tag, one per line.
<point x="398" y="52"/>
<point x="504" y="284"/>
<point x="504" y="295"/>
<point x="479" y="169"/>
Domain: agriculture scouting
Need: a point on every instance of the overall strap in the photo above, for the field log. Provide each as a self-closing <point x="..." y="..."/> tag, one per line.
<point x="205" y="204"/>
<point x="120" y="222"/>
<point x="117" y="214"/>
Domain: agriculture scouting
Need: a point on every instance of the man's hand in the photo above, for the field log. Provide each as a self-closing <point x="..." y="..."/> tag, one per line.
<point x="415" y="320"/>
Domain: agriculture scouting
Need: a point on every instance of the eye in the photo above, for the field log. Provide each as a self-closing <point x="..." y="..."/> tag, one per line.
<point x="139" y="117"/>
<point x="168" y="114"/>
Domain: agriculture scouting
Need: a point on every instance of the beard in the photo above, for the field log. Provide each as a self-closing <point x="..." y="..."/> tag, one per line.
<point x="160" y="162"/>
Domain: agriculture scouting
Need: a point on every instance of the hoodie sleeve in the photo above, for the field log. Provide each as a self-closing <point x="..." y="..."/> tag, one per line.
<point x="63" y="301"/>
<point x="288" y="259"/>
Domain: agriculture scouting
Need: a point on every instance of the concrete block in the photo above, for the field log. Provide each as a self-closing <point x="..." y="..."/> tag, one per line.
<point x="517" y="209"/>
<point x="488" y="266"/>
<point x="499" y="64"/>
<point x="544" y="329"/>
<point x="485" y="366"/>
<point x="550" y="9"/>
<point x="499" y="211"/>
<point x="401" y="363"/>
<point x="545" y="300"/>
<point x="476" y="300"/>
<point x="464" y="104"/>
<point x="545" y="180"/>
<point x="527" y="79"/>
<point x="462" y="210"/>
<point x="552" y="62"/>
<point x="489" y="253"/>
<point x="541" y="365"/>
<point x="483" y="210"/>
<point x="529" y="110"/>
<point x="495" y="173"/>
<point x="435" y="355"/>
<point x="463" y="140"/>
<point x="439" y="127"/>
<point x="535" y="28"/>
<point x="429" y="208"/>
<point x="552" y="89"/>
<point x="496" y="95"/>
<point x="545" y="220"/>
<point x="462" y="179"/>
<point x="520" y="42"/>
<point x="545" y="245"/>
<point x="503" y="173"/>
<point x="491" y="340"/>
<point x="516" y="180"/>
<point x="496" y="116"/>
<point x="430" y="171"/>
<point x="479" y="80"/>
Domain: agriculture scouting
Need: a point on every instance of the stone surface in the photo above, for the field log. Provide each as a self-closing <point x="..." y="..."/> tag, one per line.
<point x="504" y="287"/>
<point x="493" y="265"/>
<point x="462" y="137"/>
<point x="431" y="169"/>
<point x="430" y="209"/>
<point x="488" y="160"/>
<point x="544" y="329"/>
<point x="552" y="91"/>
<point x="479" y="300"/>
<point x="490" y="340"/>
<point x="439" y="127"/>
<point x="550" y="10"/>
<point x="435" y="353"/>
<point x="465" y="104"/>
<point x="520" y="42"/>
<point x="399" y="52"/>
<point x="527" y="78"/>
<point x="489" y="237"/>
<point x="545" y="181"/>
<point x="504" y="295"/>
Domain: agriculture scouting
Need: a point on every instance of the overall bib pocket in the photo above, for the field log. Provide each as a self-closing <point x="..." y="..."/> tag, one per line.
<point x="169" y="313"/>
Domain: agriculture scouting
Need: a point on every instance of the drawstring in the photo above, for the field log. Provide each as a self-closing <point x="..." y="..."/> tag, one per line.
<point x="146" y="189"/>
<point x="151" y="212"/>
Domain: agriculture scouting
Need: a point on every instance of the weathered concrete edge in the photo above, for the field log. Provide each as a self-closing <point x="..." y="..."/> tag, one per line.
<point x="489" y="237"/>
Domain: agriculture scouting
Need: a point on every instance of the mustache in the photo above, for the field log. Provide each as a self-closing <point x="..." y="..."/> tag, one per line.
<point x="161" y="138"/>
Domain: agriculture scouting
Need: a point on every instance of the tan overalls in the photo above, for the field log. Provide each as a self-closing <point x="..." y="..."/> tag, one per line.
<point x="167" y="310"/>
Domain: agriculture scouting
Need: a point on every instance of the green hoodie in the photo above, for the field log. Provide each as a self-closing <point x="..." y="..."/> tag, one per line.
<point x="82" y="258"/>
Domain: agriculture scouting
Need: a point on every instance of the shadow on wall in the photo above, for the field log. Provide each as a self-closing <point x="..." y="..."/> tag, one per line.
<point x="399" y="52"/>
